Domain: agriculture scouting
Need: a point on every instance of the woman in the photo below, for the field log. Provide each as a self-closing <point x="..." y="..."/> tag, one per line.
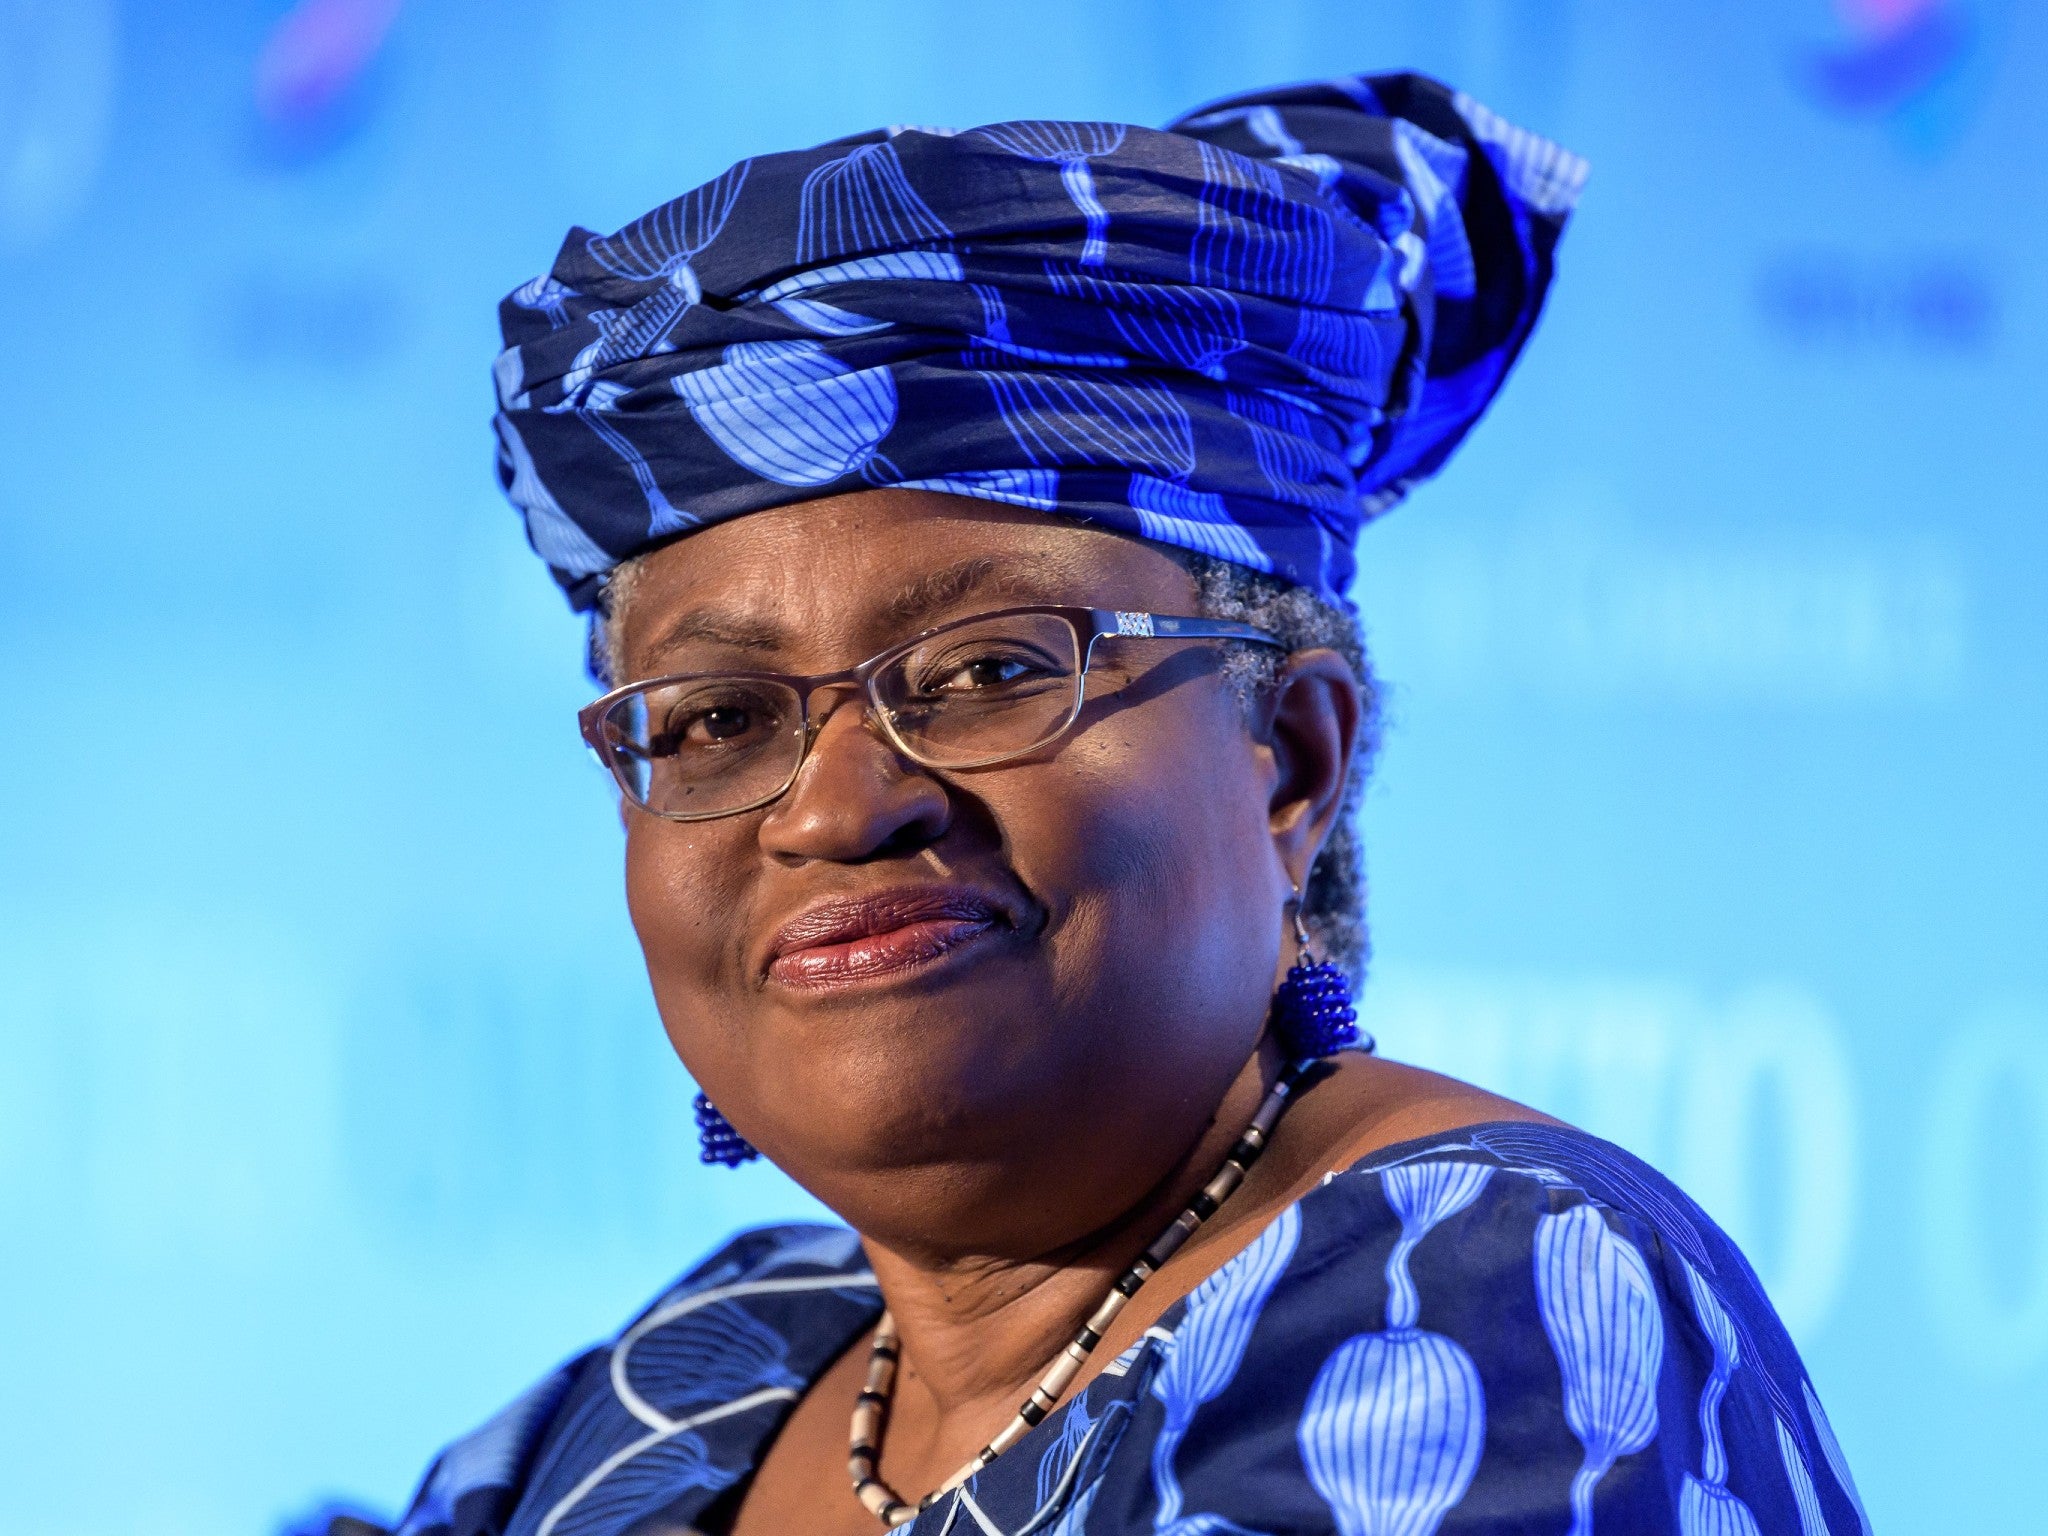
<point x="965" y="521"/>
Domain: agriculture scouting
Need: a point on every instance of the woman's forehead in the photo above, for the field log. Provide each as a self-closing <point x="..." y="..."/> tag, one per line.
<point x="882" y="563"/>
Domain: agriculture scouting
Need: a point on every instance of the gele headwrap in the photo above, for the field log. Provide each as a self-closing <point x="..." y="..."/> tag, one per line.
<point x="1246" y="334"/>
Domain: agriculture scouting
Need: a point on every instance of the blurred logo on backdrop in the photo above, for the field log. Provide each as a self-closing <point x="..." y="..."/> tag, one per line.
<point x="1917" y="72"/>
<point x="316" y="78"/>
<point x="1591" y="599"/>
<point x="319" y="82"/>
<point x="1916" y="66"/>
<point x="1832" y="300"/>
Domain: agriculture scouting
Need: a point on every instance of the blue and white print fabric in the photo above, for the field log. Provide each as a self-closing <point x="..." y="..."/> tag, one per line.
<point x="1507" y="1328"/>
<point x="1245" y="334"/>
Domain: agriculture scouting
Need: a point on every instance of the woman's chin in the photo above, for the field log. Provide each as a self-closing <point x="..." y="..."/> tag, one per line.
<point x="936" y="1101"/>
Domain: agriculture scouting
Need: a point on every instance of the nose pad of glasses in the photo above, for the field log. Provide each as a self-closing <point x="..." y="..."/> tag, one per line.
<point x="878" y="718"/>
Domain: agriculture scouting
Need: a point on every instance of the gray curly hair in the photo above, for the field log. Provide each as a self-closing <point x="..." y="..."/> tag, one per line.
<point x="1333" y="901"/>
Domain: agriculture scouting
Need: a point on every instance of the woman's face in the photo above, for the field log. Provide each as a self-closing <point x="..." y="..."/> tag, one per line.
<point x="990" y="1008"/>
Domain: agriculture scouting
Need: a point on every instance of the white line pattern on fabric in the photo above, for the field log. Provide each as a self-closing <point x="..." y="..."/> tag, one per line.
<point x="1600" y="1312"/>
<point x="1812" y="1522"/>
<point x="1207" y="1348"/>
<point x="627" y="1453"/>
<point x="646" y="1412"/>
<point x="790" y="411"/>
<point x="1394" y="1425"/>
<point x="1070" y="146"/>
<point x="1831" y="1449"/>
<point x="1705" y="1506"/>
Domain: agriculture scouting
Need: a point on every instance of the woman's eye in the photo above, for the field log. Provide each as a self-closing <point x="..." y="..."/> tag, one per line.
<point x="980" y="672"/>
<point x="720" y="724"/>
<point x="713" y="725"/>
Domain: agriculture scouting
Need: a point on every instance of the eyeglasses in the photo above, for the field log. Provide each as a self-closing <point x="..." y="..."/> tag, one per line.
<point x="980" y="691"/>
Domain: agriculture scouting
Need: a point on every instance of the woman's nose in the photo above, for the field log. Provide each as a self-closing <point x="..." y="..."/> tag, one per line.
<point x="856" y="796"/>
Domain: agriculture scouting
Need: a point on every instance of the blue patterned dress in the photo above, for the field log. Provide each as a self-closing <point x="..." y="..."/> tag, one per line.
<point x="1511" y="1327"/>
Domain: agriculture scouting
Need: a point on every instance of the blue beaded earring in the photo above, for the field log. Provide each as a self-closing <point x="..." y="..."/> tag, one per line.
<point x="721" y="1143"/>
<point x="1313" y="1014"/>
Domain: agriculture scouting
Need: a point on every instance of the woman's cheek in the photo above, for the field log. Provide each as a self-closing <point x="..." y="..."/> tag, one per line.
<point x="683" y="892"/>
<point x="1104" y="841"/>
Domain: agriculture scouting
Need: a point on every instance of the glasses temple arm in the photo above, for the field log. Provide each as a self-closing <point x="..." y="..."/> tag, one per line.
<point x="1161" y="626"/>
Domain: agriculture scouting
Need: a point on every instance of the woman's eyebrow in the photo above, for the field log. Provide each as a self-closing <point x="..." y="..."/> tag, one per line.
<point x="923" y="599"/>
<point x="933" y="593"/>
<point x="714" y="629"/>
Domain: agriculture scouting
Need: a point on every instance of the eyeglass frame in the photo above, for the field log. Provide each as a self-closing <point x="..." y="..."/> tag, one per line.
<point x="1088" y="624"/>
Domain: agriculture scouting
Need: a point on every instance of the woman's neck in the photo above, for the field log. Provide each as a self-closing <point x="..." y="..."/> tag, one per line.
<point x="978" y="1331"/>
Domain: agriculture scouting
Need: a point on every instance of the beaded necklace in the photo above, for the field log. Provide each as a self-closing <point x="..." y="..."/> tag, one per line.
<point x="872" y="1406"/>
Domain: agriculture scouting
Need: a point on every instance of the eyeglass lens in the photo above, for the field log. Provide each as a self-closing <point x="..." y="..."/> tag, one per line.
<point x="704" y="746"/>
<point x="972" y="694"/>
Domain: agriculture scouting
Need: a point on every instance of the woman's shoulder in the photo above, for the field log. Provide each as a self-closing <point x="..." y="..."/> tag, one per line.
<point x="1580" y="1229"/>
<point x="746" y="1328"/>
<point x="1505" y="1316"/>
<point x="1552" y="1164"/>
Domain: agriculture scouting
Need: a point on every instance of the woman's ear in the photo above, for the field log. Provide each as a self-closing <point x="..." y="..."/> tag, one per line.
<point x="1313" y="721"/>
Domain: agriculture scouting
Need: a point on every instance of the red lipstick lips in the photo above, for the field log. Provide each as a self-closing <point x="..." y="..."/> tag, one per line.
<point x="838" y="943"/>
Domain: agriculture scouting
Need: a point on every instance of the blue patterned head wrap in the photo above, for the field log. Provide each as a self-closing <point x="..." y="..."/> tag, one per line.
<point x="1245" y="335"/>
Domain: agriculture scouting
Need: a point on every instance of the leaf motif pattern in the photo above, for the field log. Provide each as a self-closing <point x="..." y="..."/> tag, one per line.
<point x="860" y="204"/>
<point x="1254" y="234"/>
<point x="1395" y="1422"/>
<point x="1435" y="174"/>
<point x="617" y="1496"/>
<point x="659" y="245"/>
<point x="1286" y="445"/>
<point x="708" y="1356"/>
<point x="793" y="295"/>
<point x="1172" y="514"/>
<point x="1600" y="1312"/>
<point x="790" y="411"/>
<point x="1193" y="328"/>
<point x="1392" y="1432"/>
<point x="662" y="518"/>
<point x="1706" y="1507"/>
<point x="1036" y="488"/>
<point x="1812" y="1521"/>
<point x="1831" y="1449"/>
<point x="656" y="248"/>
<point x="1210" y="1343"/>
<point x="1061" y="420"/>
<point x="1070" y="146"/>
<point x="556" y="537"/>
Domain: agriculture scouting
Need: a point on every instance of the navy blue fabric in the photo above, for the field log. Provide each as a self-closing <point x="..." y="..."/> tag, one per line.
<point x="1509" y="1328"/>
<point x="1245" y="334"/>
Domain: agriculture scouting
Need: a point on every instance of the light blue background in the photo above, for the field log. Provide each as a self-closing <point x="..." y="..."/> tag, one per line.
<point x="332" y="1108"/>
